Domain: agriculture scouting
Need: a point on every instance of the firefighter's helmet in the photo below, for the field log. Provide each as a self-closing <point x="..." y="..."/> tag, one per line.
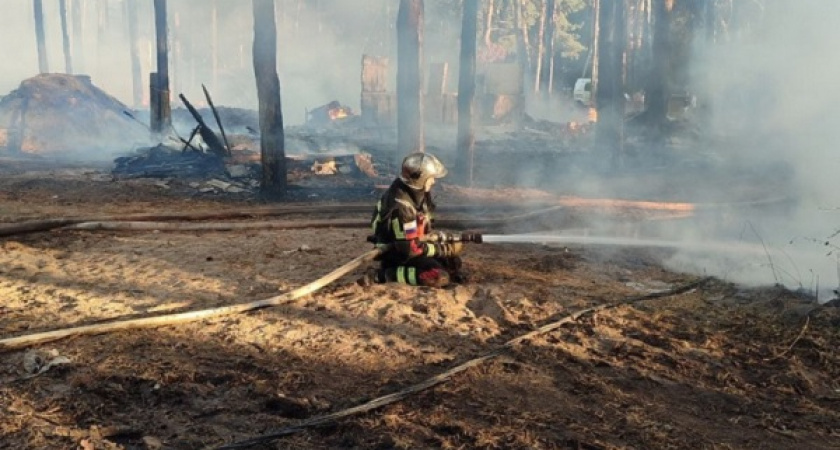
<point x="418" y="167"/>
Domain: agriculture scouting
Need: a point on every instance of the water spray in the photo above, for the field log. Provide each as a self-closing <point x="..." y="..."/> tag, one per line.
<point x="557" y="239"/>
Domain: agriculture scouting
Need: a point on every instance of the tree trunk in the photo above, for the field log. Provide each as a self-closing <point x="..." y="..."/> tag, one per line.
<point x="526" y="41"/>
<point x="76" y="13"/>
<point x="657" y="90"/>
<point x="639" y="59"/>
<point x="596" y="49"/>
<point x="134" y="49"/>
<point x="162" y="114"/>
<point x="410" y="127"/>
<point x="272" y="140"/>
<point x="65" y="37"/>
<point x="610" y="96"/>
<point x="641" y="24"/>
<point x="43" y="67"/>
<point x="692" y="19"/>
<point x="711" y="21"/>
<point x="642" y="60"/>
<point x="548" y="48"/>
<point x="466" y="91"/>
<point x="540" y="49"/>
<point x="521" y="46"/>
<point x="633" y="14"/>
<point x="488" y="24"/>
<point x="648" y="42"/>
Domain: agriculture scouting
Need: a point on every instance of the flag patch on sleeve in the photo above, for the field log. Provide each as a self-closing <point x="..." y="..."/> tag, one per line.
<point x="410" y="229"/>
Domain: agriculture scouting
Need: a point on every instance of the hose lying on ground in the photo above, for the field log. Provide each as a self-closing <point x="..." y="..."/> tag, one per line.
<point x="191" y="316"/>
<point x="440" y="378"/>
<point x="458" y="224"/>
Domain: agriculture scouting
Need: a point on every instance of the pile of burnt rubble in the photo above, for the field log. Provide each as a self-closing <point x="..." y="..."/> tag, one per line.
<point x="214" y="162"/>
<point x="240" y="172"/>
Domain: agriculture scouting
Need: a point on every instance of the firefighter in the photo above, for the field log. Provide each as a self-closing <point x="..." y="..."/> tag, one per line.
<point x="402" y="227"/>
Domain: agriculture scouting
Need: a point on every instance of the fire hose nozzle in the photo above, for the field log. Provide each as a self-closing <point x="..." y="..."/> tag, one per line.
<point x="451" y="237"/>
<point x="472" y="237"/>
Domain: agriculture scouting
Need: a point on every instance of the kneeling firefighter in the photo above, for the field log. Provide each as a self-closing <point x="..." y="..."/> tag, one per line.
<point x="402" y="227"/>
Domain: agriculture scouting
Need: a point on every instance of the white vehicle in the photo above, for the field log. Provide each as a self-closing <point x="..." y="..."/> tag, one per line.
<point x="680" y="105"/>
<point x="582" y="92"/>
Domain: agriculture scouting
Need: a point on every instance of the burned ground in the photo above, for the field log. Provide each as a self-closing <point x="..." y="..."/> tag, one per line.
<point x="720" y="366"/>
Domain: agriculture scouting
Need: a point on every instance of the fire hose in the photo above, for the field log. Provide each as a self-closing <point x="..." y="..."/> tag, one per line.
<point x="401" y="394"/>
<point x="192" y="316"/>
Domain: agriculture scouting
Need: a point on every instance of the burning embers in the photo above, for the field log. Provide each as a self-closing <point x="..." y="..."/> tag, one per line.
<point x="329" y="114"/>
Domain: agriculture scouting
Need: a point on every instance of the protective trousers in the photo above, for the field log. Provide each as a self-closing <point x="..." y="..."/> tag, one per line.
<point x="423" y="271"/>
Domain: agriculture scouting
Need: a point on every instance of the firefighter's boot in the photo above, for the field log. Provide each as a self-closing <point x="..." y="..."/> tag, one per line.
<point x="455" y="268"/>
<point x="371" y="276"/>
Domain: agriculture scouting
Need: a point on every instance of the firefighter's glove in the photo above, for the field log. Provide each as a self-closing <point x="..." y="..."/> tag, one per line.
<point x="452" y="249"/>
<point x="443" y="237"/>
<point x="383" y="249"/>
<point x="436" y="237"/>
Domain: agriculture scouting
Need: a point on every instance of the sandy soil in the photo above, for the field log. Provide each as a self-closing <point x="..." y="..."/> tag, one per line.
<point x="718" y="367"/>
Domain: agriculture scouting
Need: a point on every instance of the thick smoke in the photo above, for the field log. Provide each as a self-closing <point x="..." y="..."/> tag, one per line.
<point x="17" y="40"/>
<point x="775" y="98"/>
<point x="781" y="84"/>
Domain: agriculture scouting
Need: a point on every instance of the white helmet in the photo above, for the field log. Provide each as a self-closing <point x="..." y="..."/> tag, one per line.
<point x="418" y="167"/>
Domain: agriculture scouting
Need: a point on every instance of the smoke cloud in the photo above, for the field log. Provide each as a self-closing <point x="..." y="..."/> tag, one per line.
<point x="774" y="94"/>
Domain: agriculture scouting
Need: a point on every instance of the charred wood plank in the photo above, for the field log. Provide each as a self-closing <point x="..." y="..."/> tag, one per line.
<point x="206" y="133"/>
<point x="218" y="119"/>
<point x="161" y="162"/>
<point x="188" y="142"/>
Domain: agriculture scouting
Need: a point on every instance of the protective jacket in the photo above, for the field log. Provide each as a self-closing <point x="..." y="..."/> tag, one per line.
<point x="402" y="217"/>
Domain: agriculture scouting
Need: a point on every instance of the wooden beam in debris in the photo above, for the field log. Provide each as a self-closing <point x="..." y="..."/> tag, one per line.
<point x="206" y="133"/>
<point x="188" y="142"/>
<point x="218" y="119"/>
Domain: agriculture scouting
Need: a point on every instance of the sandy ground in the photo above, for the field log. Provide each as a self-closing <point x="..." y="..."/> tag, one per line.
<point x="718" y="367"/>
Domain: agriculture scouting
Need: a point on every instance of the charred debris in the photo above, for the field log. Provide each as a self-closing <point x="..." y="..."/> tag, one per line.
<point x="220" y="153"/>
<point x="216" y="149"/>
